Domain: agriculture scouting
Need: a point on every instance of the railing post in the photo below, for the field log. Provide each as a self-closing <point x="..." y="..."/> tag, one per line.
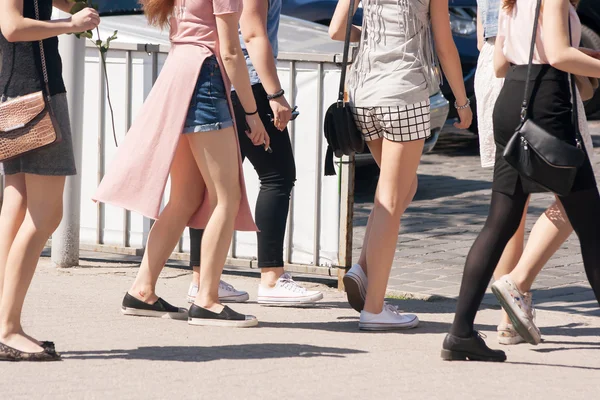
<point x="65" y="240"/>
<point x="346" y="171"/>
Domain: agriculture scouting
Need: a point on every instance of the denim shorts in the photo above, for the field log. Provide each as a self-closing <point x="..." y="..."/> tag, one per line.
<point x="209" y="108"/>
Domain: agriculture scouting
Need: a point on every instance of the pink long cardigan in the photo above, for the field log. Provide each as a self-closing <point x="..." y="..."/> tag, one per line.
<point x="137" y="176"/>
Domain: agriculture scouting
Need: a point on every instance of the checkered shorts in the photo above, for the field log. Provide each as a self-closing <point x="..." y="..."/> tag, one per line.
<point x="397" y="124"/>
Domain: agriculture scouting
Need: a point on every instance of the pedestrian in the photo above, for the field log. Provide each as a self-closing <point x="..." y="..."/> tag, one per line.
<point x="552" y="227"/>
<point x="389" y="87"/>
<point x="33" y="182"/>
<point x="276" y="168"/>
<point x="186" y="128"/>
<point x="550" y="106"/>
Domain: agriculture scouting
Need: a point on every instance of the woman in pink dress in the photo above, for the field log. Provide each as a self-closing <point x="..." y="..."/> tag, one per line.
<point x="186" y="129"/>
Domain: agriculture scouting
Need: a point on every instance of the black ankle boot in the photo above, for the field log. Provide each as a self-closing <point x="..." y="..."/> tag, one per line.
<point x="472" y="348"/>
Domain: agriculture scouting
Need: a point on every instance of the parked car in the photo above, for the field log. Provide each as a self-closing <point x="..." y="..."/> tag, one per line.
<point x="589" y="13"/>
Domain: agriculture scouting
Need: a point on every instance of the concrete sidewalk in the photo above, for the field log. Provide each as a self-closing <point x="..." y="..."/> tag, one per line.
<point x="311" y="353"/>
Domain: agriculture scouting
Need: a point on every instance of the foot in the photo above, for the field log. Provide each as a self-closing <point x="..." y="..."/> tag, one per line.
<point x="472" y="348"/>
<point x="388" y="319"/>
<point x="227" y="293"/>
<point x="519" y="307"/>
<point x="226" y="318"/>
<point x="22" y="342"/>
<point x="9" y="353"/>
<point x="287" y="292"/>
<point x="355" y="284"/>
<point x="158" y="309"/>
<point x="507" y="335"/>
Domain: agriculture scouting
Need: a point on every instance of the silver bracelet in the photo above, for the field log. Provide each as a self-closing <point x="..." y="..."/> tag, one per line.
<point x="462" y="107"/>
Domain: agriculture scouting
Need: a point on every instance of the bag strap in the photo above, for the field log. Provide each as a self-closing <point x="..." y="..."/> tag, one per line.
<point x="340" y="100"/>
<point x="575" y="105"/>
<point x="536" y="22"/>
<point x="42" y="54"/>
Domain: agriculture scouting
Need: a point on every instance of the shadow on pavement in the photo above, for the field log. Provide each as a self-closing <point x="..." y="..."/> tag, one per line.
<point x="213" y="353"/>
<point x="554" y="365"/>
<point x="347" y="325"/>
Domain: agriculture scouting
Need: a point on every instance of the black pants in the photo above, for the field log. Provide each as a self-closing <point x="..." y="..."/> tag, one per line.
<point x="551" y="109"/>
<point x="277" y="174"/>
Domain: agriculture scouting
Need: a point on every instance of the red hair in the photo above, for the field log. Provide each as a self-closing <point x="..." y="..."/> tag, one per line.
<point x="158" y="11"/>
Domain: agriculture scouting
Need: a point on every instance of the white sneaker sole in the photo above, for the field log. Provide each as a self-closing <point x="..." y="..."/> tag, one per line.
<point x="284" y="301"/>
<point x="229" y="299"/>
<point x="377" y="326"/>
<point x="508" y="341"/>
<point x="223" y="323"/>
<point x="520" y="322"/>
<point x="134" y="312"/>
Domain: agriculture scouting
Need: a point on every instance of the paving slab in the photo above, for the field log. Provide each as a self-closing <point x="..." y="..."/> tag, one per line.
<point x="294" y="353"/>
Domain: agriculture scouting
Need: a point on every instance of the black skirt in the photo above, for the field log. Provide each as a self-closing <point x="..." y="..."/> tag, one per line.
<point x="550" y="108"/>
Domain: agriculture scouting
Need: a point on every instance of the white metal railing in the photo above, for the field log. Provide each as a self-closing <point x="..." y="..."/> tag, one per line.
<point x="318" y="232"/>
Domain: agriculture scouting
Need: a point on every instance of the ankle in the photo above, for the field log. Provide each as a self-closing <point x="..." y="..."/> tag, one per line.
<point x="521" y="283"/>
<point x="270" y="276"/>
<point x="143" y="293"/>
<point x="196" y="276"/>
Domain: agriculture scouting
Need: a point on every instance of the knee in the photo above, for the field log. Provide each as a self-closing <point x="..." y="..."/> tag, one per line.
<point x="46" y="223"/>
<point x="14" y="208"/>
<point x="228" y="201"/>
<point x="189" y="203"/>
<point x="281" y="182"/>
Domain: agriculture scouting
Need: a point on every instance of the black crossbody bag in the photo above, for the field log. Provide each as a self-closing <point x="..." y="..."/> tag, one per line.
<point x="341" y="133"/>
<point x="536" y="154"/>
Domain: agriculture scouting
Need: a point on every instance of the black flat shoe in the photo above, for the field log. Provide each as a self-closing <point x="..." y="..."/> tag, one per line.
<point x="8" y="353"/>
<point x="47" y="345"/>
<point x="160" y="309"/>
<point x="227" y="317"/>
<point x="472" y="348"/>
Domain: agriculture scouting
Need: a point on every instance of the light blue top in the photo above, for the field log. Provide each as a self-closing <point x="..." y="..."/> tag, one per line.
<point x="489" y="11"/>
<point x="273" y="17"/>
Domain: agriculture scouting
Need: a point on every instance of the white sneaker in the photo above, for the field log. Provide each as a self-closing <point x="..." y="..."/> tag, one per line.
<point x="388" y="319"/>
<point x="508" y="336"/>
<point x="227" y="293"/>
<point x="287" y="292"/>
<point x="355" y="284"/>
<point x="519" y="307"/>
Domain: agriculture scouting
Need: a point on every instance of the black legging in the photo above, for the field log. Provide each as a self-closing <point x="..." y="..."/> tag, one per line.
<point x="582" y="209"/>
<point x="277" y="174"/>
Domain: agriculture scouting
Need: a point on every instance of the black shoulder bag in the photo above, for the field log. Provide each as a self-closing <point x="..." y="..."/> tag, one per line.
<point x="536" y="154"/>
<point x="343" y="137"/>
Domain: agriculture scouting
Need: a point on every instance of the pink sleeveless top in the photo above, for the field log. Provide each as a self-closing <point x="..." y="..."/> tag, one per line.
<point x="516" y="28"/>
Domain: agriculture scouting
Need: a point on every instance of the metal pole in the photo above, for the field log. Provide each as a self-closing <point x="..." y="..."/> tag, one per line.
<point x="65" y="240"/>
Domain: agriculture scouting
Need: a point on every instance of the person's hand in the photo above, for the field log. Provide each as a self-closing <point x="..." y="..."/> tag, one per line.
<point x="282" y="112"/>
<point x="85" y="20"/>
<point x="257" y="132"/>
<point x="465" y="116"/>
<point x="590" y="52"/>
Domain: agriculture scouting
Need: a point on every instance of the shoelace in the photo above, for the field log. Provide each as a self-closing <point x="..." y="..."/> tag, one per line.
<point x="391" y="307"/>
<point x="226" y="286"/>
<point x="287" y="282"/>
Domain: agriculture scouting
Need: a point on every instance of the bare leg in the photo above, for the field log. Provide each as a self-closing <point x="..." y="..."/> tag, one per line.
<point x="187" y="188"/>
<point x="213" y="152"/>
<point x="375" y="147"/>
<point x="511" y="255"/>
<point x="548" y="234"/>
<point x="44" y="212"/>
<point x="399" y="163"/>
<point x="14" y="207"/>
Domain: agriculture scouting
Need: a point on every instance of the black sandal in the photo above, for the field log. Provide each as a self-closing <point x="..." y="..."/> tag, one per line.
<point x="8" y="353"/>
